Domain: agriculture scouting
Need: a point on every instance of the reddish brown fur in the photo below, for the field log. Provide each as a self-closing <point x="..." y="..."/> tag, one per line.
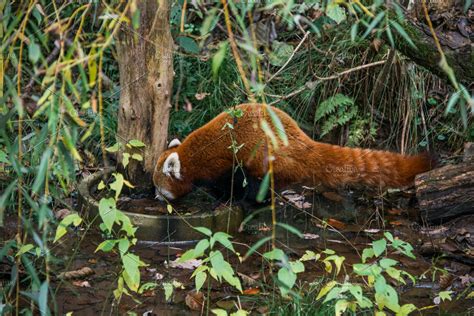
<point x="205" y="156"/>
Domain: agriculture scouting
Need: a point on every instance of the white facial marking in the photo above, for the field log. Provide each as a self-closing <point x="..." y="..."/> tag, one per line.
<point x="175" y="142"/>
<point x="162" y="194"/>
<point x="172" y="166"/>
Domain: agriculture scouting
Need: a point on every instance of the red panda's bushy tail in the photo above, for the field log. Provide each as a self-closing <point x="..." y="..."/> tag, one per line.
<point x="374" y="168"/>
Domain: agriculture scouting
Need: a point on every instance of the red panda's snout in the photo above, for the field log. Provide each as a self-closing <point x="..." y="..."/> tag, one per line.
<point x="168" y="177"/>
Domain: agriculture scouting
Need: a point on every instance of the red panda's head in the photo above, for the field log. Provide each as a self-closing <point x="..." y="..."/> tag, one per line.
<point x="170" y="182"/>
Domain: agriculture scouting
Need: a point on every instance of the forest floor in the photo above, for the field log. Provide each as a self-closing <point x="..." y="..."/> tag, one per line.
<point x="443" y="261"/>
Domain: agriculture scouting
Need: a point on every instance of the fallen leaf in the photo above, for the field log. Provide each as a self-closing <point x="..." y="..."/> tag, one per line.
<point x="396" y="223"/>
<point x="333" y="196"/>
<point x="296" y="199"/>
<point x="226" y="304"/>
<point x="372" y="230"/>
<point x="336" y="224"/>
<point x="62" y="213"/>
<point x="81" y="283"/>
<point x="195" y="300"/>
<point x="188" y="107"/>
<point x="92" y="261"/>
<point x="149" y="293"/>
<point x="394" y="211"/>
<point x="252" y="291"/>
<point x="246" y="280"/>
<point x="376" y="43"/>
<point x="466" y="279"/>
<point x="310" y="236"/>
<point x="189" y="264"/>
<point x="201" y="96"/>
<point x="76" y="274"/>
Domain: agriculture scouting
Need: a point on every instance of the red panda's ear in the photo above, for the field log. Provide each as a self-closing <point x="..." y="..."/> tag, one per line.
<point x="172" y="166"/>
<point x="174" y="143"/>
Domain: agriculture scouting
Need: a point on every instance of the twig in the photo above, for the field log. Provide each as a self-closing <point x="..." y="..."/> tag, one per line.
<point x="377" y="63"/>
<point x="307" y="86"/>
<point x="291" y="57"/>
<point x="235" y="51"/>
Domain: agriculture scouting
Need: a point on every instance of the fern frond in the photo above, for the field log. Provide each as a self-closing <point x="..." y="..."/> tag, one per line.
<point x="330" y="105"/>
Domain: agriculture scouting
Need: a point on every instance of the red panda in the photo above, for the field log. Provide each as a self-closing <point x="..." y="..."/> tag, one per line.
<point x="205" y="155"/>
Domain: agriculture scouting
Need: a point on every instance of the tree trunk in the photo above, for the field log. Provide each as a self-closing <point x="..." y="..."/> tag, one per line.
<point x="145" y="57"/>
<point x="447" y="192"/>
<point x="453" y="30"/>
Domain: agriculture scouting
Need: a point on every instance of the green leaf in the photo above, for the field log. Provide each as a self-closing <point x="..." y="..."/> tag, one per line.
<point x="395" y="274"/>
<point x="453" y="100"/>
<point x="340" y="307"/>
<point x="406" y="309"/>
<point x="403" y="33"/>
<point x="101" y="185"/>
<point x="390" y="36"/>
<point x="387" y="262"/>
<point x="4" y="157"/>
<point x="389" y="236"/>
<point x="73" y="219"/>
<point x="136" y="143"/>
<point x="269" y="133"/>
<point x="218" y="58"/>
<point x="168" y="287"/>
<point x="131" y="273"/>
<point x="199" y="279"/>
<point x="328" y="287"/>
<point x="223" y="239"/>
<point x="257" y="245"/>
<point x="291" y="229"/>
<point x="338" y="260"/>
<point x="445" y="295"/>
<point x="310" y="255"/>
<point x="335" y="12"/>
<point x="204" y="230"/>
<point x="219" y="312"/>
<point x="287" y="278"/>
<point x="34" y="52"/>
<point x="280" y="53"/>
<point x="275" y="254"/>
<point x="92" y="65"/>
<point x="188" y="255"/>
<point x="362" y="269"/>
<point x="374" y="23"/>
<point x="379" y="246"/>
<point x="113" y="149"/>
<point x="278" y="126"/>
<point x="106" y="245"/>
<point x="137" y="157"/>
<point x="127" y="225"/>
<point x="43" y="299"/>
<point x="262" y="191"/>
<point x="356" y="291"/>
<point x="354" y="31"/>
<point x="201" y="246"/>
<point x="41" y="173"/>
<point x="297" y="266"/>
<point x="117" y="185"/>
<point x="188" y="44"/>
<point x="24" y="249"/>
<point x="123" y="245"/>
<point x="125" y="159"/>
<point x="4" y="198"/>
<point x="209" y="22"/>
<point x="108" y="212"/>
<point x="367" y="253"/>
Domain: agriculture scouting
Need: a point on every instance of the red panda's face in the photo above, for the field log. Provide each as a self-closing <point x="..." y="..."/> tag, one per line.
<point x="170" y="182"/>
